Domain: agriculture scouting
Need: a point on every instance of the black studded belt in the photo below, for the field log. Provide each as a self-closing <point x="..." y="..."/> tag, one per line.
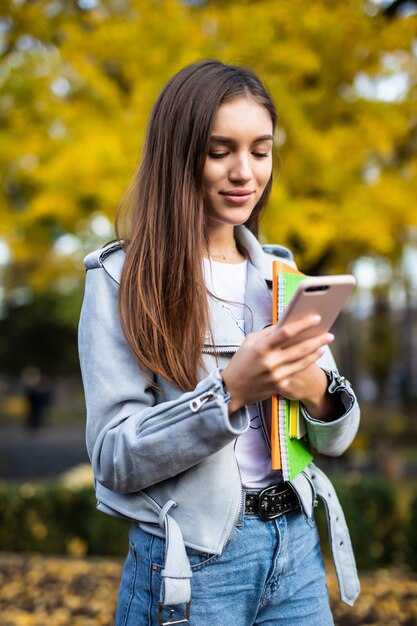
<point x="271" y="502"/>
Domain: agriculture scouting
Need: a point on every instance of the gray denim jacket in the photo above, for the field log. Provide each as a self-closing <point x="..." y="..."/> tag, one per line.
<point x="166" y="460"/>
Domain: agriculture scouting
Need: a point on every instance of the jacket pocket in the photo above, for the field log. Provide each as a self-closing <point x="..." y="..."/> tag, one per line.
<point x="198" y="560"/>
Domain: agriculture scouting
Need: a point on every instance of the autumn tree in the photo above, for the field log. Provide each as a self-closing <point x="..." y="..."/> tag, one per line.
<point x="77" y="81"/>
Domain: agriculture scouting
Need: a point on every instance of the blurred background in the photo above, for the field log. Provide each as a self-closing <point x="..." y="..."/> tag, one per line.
<point x="77" y="82"/>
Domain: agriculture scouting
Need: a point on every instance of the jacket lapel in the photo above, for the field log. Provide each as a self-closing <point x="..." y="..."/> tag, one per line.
<point x="258" y="301"/>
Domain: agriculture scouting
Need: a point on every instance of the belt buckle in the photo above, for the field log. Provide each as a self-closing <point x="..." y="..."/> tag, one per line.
<point x="263" y="506"/>
<point x="170" y="622"/>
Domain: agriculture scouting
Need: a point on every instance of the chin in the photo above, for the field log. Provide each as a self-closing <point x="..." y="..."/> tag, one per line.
<point x="236" y="216"/>
<point x="240" y="218"/>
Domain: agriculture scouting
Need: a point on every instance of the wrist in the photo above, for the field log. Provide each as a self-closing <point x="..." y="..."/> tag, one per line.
<point x="328" y="405"/>
<point x="319" y="403"/>
<point x="234" y="403"/>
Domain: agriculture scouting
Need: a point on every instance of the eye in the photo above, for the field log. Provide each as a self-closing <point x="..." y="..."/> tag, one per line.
<point x="260" y="155"/>
<point x="217" y="155"/>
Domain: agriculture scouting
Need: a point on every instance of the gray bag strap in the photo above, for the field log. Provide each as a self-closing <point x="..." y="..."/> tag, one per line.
<point x="339" y="537"/>
<point x="176" y="586"/>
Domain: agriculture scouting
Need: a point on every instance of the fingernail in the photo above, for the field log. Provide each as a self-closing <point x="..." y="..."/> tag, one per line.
<point x="330" y="336"/>
<point x="316" y="318"/>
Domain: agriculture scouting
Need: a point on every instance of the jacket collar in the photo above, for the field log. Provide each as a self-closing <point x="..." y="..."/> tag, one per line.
<point x="260" y="260"/>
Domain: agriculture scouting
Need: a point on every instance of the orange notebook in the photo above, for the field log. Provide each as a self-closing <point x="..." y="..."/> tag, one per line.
<point x="289" y="444"/>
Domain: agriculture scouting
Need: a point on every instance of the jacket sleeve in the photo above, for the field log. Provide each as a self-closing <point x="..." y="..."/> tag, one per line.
<point x="132" y="440"/>
<point x="335" y="436"/>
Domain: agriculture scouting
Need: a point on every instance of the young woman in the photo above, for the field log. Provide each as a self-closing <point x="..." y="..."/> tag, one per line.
<point x="179" y="361"/>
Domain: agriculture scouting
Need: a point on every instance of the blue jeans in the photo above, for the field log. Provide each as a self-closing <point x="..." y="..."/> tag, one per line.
<point x="271" y="573"/>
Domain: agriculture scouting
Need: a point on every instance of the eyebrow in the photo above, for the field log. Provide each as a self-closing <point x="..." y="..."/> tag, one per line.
<point x="228" y="140"/>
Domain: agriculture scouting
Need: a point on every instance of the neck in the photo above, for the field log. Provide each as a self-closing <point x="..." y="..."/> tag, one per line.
<point x="222" y="245"/>
<point x="221" y="238"/>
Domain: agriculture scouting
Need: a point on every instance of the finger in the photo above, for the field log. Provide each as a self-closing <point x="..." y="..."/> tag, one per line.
<point x="290" y="369"/>
<point x="280" y="357"/>
<point x="291" y="329"/>
<point x="306" y="346"/>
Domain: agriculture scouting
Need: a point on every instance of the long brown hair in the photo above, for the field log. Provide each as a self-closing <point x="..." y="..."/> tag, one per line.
<point x="163" y="300"/>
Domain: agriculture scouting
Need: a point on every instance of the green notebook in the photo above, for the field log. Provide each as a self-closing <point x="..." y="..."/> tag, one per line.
<point x="294" y="448"/>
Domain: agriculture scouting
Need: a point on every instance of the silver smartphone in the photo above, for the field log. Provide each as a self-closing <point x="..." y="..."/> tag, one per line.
<point x="323" y="295"/>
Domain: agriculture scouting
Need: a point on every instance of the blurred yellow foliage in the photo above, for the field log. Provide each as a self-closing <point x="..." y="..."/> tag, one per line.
<point x="13" y="406"/>
<point x="77" y="547"/>
<point x="40" y="531"/>
<point x="40" y="590"/>
<point x="77" y="85"/>
<point x="78" y="477"/>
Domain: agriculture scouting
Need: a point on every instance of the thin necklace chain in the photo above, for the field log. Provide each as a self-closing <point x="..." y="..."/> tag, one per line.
<point x="223" y="255"/>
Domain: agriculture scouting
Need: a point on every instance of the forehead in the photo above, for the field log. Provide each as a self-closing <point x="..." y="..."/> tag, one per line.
<point x="242" y="116"/>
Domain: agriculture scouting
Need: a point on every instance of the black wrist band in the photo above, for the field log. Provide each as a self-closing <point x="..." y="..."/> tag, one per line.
<point x="223" y="382"/>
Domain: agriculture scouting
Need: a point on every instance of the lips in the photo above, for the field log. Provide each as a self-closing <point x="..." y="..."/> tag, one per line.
<point x="237" y="196"/>
<point x="237" y="192"/>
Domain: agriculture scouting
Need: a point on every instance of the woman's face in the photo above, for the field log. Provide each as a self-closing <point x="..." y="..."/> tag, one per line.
<point x="239" y="163"/>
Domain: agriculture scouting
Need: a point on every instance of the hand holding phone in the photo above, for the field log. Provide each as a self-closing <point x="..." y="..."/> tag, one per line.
<point x="321" y="295"/>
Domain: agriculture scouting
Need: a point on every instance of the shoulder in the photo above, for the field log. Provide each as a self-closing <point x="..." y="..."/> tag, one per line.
<point x="281" y="252"/>
<point x="276" y="252"/>
<point x="261" y="256"/>
<point x="110" y="258"/>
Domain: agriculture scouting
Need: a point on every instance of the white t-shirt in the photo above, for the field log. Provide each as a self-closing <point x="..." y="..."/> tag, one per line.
<point x="227" y="281"/>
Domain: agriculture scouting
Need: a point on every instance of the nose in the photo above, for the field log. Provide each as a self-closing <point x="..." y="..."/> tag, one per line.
<point x="240" y="170"/>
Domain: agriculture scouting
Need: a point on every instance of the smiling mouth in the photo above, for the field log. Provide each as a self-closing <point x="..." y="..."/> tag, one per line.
<point x="237" y="193"/>
<point x="237" y="196"/>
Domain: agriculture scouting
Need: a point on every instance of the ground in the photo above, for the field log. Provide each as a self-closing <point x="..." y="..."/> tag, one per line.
<point x="36" y="590"/>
